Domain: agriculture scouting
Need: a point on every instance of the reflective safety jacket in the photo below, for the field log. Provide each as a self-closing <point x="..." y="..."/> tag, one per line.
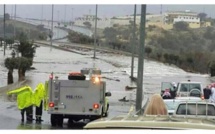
<point x="24" y="96"/>
<point x="106" y="103"/>
<point x="39" y="94"/>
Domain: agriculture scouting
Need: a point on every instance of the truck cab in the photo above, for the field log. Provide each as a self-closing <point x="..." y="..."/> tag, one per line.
<point x="189" y="88"/>
<point x="183" y="89"/>
<point x="77" y="98"/>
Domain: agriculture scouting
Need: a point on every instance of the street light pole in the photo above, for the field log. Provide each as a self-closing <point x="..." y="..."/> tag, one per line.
<point x="139" y="94"/>
<point x="95" y="33"/>
<point x="65" y="15"/>
<point x="4" y="31"/>
<point x="58" y="23"/>
<point x="133" y="42"/>
<point x="51" y="34"/>
<point x="14" y="28"/>
<point x="42" y="15"/>
<point x="72" y="19"/>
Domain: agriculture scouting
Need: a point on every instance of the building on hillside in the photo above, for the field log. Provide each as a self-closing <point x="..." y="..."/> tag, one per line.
<point x="171" y="17"/>
<point x="101" y="22"/>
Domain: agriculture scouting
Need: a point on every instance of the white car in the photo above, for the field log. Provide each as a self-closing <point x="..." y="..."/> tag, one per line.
<point x="172" y="104"/>
<point x="201" y="109"/>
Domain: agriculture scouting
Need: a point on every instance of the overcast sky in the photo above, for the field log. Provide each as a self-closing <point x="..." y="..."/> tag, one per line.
<point x="62" y="12"/>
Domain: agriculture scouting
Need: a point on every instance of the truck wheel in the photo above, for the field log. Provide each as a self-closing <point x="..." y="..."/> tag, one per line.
<point x="70" y="122"/>
<point x="60" y="120"/>
<point x="53" y="120"/>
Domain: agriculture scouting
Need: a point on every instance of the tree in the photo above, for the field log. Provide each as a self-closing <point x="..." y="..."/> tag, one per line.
<point x="22" y="65"/>
<point x="148" y="50"/>
<point x="10" y="64"/>
<point x="181" y="26"/>
<point x="110" y="34"/>
<point x="202" y="16"/>
<point x="7" y="16"/>
<point x="27" y="49"/>
<point x="41" y="27"/>
<point x="209" y="33"/>
<point x="9" y="41"/>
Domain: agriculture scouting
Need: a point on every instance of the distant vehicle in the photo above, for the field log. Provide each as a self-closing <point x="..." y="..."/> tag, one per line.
<point x="172" y="104"/>
<point x="189" y="88"/>
<point x="77" y="98"/>
<point x="184" y="89"/>
<point x="151" y="122"/>
<point x="200" y="109"/>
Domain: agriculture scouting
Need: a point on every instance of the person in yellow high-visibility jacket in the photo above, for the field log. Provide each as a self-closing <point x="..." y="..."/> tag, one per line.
<point x="39" y="96"/>
<point x="106" y="107"/>
<point x="24" y="101"/>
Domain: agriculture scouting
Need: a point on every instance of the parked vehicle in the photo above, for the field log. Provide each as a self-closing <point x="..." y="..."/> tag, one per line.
<point x="200" y="109"/>
<point x="184" y="89"/>
<point x="157" y="122"/>
<point x="77" y="98"/>
<point x="172" y="104"/>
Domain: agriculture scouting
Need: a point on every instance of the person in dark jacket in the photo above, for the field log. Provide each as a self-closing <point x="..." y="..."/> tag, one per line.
<point x="207" y="92"/>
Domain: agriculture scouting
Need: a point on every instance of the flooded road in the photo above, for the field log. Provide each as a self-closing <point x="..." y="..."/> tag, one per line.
<point x="115" y="71"/>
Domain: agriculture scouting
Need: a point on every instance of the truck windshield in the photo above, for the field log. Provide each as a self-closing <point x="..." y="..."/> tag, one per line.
<point x="188" y="87"/>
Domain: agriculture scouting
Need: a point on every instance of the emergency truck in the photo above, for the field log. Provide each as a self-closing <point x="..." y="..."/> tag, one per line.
<point x="81" y="96"/>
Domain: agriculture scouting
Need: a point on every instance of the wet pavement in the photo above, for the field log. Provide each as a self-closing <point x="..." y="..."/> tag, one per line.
<point x="115" y="71"/>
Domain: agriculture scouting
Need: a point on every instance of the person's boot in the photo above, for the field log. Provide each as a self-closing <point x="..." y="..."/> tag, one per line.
<point x="22" y="117"/>
<point x="29" y="119"/>
<point x="40" y="120"/>
<point x="37" y="119"/>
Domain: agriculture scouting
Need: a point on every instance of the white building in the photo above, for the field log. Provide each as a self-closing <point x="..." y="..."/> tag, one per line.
<point x="188" y="19"/>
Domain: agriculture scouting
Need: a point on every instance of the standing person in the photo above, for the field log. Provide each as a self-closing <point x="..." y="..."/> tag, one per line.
<point x="207" y="92"/>
<point x="39" y="95"/>
<point x="212" y="96"/>
<point x="174" y="90"/>
<point x="24" y="101"/>
<point x="156" y="106"/>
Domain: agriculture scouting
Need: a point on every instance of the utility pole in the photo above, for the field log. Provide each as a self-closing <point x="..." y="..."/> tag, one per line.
<point x="94" y="56"/>
<point x="72" y="19"/>
<point x="139" y="94"/>
<point x="42" y="15"/>
<point x="11" y="16"/>
<point x="65" y="15"/>
<point x="51" y="34"/>
<point x="14" y="28"/>
<point x="4" y="31"/>
<point x="133" y="43"/>
<point x="58" y="23"/>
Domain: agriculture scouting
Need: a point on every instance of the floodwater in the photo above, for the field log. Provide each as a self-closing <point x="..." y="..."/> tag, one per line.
<point x="115" y="71"/>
